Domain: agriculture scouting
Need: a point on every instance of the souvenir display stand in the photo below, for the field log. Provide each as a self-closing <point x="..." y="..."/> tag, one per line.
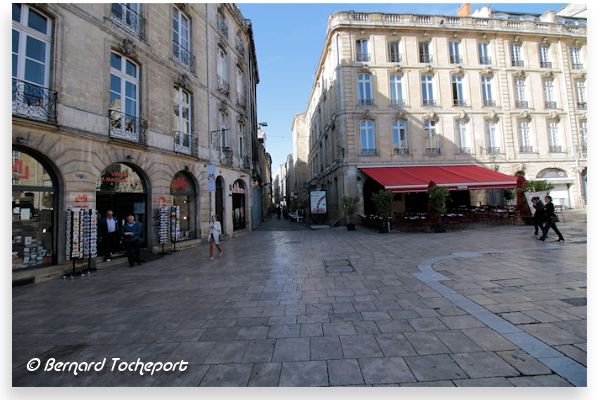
<point x="163" y="228"/>
<point x="82" y="236"/>
<point x="175" y="226"/>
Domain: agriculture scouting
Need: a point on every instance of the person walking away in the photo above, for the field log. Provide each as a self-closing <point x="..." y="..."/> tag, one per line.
<point x="539" y="217"/>
<point x="110" y="231"/>
<point x="131" y="240"/>
<point x="214" y="236"/>
<point x="551" y="220"/>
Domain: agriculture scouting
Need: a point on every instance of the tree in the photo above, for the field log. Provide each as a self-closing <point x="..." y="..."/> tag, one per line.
<point x="437" y="205"/>
<point x="538" y="186"/>
<point x="350" y="206"/>
<point x="383" y="206"/>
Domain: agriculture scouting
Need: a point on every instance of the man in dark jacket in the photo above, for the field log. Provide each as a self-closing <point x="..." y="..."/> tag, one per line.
<point x="109" y="231"/>
<point x="539" y="217"/>
<point x="131" y="240"/>
<point x="551" y="219"/>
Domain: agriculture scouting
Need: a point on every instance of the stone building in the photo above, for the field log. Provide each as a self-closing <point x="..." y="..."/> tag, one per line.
<point x="502" y="91"/>
<point x="124" y="107"/>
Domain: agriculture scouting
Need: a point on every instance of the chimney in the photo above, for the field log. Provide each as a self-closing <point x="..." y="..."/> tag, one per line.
<point x="464" y="10"/>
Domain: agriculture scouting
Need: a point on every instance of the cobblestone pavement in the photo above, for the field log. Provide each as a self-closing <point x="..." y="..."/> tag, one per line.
<point x="287" y="306"/>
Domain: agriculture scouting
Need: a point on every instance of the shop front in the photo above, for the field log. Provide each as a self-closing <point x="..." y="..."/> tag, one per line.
<point x="121" y="189"/>
<point x="238" y="198"/>
<point x="561" y="183"/>
<point x="183" y="191"/>
<point x="219" y="202"/>
<point x="34" y="212"/>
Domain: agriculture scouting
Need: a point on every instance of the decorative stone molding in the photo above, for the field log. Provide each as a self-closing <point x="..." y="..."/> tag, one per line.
<point x="545" y="41"/>
<point x="581" y="75"/>
<point x="128" y="48"/>
<point x="461" y="116"/>
<point x="484" y="38"/>
<point x="365" y="69"/>
<point x="183" y="81"/>
<point x="401" y="115"/>
<point x="520" y="74"/>
<point x="223" y="106"/>
<point x="548" y="75"/>
<point x="367" y="114"/>
<point x="241" y="119"/>
<point x="487" y="72"/>
<point x="398" y="70"/>
<point x="183" y="7"/>
<point x="432" y="116"/>
<point x="524" y="115"/>
<point x="458" y="71"/>
<point x="517" y="39"/>
<point x="553" y="116"/>
<point x="428" y="70"/>
<point x="577" y="43"/>
<point x="491" y="116"/>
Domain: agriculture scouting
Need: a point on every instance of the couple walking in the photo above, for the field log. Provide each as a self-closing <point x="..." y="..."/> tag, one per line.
<point x="545" y="218"/>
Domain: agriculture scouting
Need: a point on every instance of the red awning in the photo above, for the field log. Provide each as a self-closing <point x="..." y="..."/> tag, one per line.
<point x="454" y="177"/>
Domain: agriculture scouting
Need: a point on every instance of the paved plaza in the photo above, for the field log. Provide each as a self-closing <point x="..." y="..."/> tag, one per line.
<point x="289" y="306"/>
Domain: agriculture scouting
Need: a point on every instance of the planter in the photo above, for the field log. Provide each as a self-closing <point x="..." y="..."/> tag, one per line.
<point x="351" y="227"/>
<point x="384" y="228"/>
<point x="440" y="228"/>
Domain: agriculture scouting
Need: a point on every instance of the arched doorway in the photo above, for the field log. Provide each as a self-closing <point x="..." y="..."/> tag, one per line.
<point x="219" y="201"/>
<point x="120" y="188"/>
<point x="561" y="182"/>
<point x="238" y="204"/>
<point x="183" y="191"/>
<point x="34" y="211"/>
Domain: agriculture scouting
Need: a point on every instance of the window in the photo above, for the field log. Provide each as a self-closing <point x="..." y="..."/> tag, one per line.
<point x="364" y="90"/>
<point x="399" y="136"/>
<point x="362" y="50"/>
<point x="367" y="138"/>
<point x="581" y="94"/>
<point x="396" y="95"/>
<point x="432" y="140"/>
<point x="241" y="139"/>
<point x="241" y="99"/>
<point x="549" y="99"/>
<point x="525" y="137"/>
<point x="575" y="53"/>
<point x="222" y="71"/>
<point x="394" y="54"/>
<point x="544" y="53"/>
<point x="124" y="95"/>
<point x="427" y="90"/>
<point x="182" y="121"/>
<point x="484" y="56"/>
<point x="424" y="53"/>
<point x="521" y="93"/>
<point x="492" y="137"/>
<point x="128" y="16"/>
<point x="181" y="38"/>
<point x="463" y="140"/>
<point x="224" y="130"/>
<point x="457" y="90"/>
<point x="583" y="134"/>
<point x="516" y="55"/>
<point x="486" y="92"/>
<point x="31" y="44"/>
<point x="554" y="140"/>
<point x="454" y="48"/>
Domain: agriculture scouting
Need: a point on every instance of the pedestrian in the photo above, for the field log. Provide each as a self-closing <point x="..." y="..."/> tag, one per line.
<point x="131" y="240"/>
<point x="551" y="220"/>
<point x="539" y="217"/>
<point x="109" y="230"/>
<point x="214" y="235"/>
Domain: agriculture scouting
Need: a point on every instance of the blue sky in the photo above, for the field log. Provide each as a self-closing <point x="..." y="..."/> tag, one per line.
<point x="289" y="40"/>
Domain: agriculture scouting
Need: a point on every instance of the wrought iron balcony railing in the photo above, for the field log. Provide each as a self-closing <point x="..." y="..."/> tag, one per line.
<point x="368" y="152"/>
<point x="183" y="56"/>
<point x="518" y="63"/>
<point x="459" y="103"/>
<point x="550" y="105"/>
<point x="128" y="18"/>
<point x="433" y="151"/>
<point x="395" y="58"/>
<point x="222" y="85"/>
<point x="582" y="105"/>
<point x="545" y="64"/>
<point x="484" y="60"/>
<point x="398" y="103"/>
<point x="576" y="66"/>
<point x="521" y="104"/>
<point x="363" y="57"/>
<point x="493" y="150"/>
<point x="425" y="58"/>
<point x="556" y="149"/>
<point x="464" y="150"/>
<point x="526" y="149"/>
<point x="489" y="103"/>
<point x="33" y="101"/>
<point x="186" y="143"/>
<point x="365" y="102"/>
<point x="456" y="60"/>
<point x="403" y="150"/>
<point x="429" y="102"/>
<point x="127" y="127"/>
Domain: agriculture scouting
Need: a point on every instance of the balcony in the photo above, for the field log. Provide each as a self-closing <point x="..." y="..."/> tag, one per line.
<point x="489" y="103"/>
<point x="453" y="21"/>
<point x="183" y="56"/>
<point x="550" y="105"/>
<point x="464" y="150"/>
<point x="127" y="127"/>
<point x="227" y="156"/>
<point x="33" y="101"/>
<point x="433" y="151"/>
<point x="363" y="57"/>
<point x="493" y="150"/>
<point x="186" y="143"/>
<point x="576" y="66"/>
<point x="521" y="104"/>
<point x="459" y="103"/>
<point x="556" y="149"/>
<point x="425" y="58"/>
<point x="518" y="63"/>
<point x="545" y="64"/>
<point x="128" y="19"/>
<point x="401" y="150"/>
<point x="429" y="102"/>
<point x="456" y="60"/>
<point x="222" y="26"/>
<point x="365" y="102"/>
<point x="368" y="152"/>
<point x="483" y="60"/>
<point x="397" y="103"/>
<point x="222" y="85"/>
<point x="582" y="105"/>
<point x="241" y="99"/>
<point x="525" y="149"/>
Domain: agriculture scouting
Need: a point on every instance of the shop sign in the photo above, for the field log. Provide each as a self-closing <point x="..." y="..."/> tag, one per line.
<point x="164" y="201"/>
<point x="462" y="187"/>
<point x="116" y="177"/>
<point x="80" y="200"/>
<point x="318" y="202"/>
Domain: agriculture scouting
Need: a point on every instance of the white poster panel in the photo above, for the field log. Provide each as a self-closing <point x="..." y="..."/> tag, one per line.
<point x="318" y="202"/>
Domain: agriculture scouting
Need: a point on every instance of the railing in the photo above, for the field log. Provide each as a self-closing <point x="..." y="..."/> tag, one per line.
<point x="424" y="20"/>
<point x="456" y="60"/>
<point x="459" y="103"/>
<point x="395" y="58"/>
<point x="576" y="66"/>
<point x="493" y="150"/>
<point x="183" y="56"/>
<point x="401" y="150"/>
<point x="368" y="152"/>
<point x="127" y="18"/>
<point x="545" y="64"/>
<point x="542" y="27"/>
<point x="33" y="101"/>
<point x="489" y="103"/>
<point x="360" y="16"/>
<point x="429" y="102"/>
<point x="517" y="63"/>
<point x="365" y="102"/>
<point x="481" y="22"/>
<point x="485" y="60"/>
<point x="227" y="156"/>
<point x="550" y="105"/>
<point x="363" y="57"/>
<point x="186" y="143"/>
<point x="582" y="105"/>
<point x="241" y="99"/>
<point x="222" y="25"/>
<point x="397" y="103"/>
<point x="222" y="85"/>
<point x="433" y="151"/>
<point x="526" y="149"/>
<point x="453" y="21"/>
<point x="239" y="45"/>
<point x="425" y="58"/>
<point x="465" y="150"/>
<point x="556" y="149"/>
<point x="127" y="127"/>
<point x="521" y="104"/>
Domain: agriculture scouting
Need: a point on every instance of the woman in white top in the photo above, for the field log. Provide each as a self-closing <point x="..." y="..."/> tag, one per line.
<point x="214" y="235"/>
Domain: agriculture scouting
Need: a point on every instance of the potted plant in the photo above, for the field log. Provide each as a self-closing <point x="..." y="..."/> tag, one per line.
<point x="383" y="206"/>
<point x="509" y="195"/>
<point x="437" y="206"/>
<point x="350" y="206"/>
